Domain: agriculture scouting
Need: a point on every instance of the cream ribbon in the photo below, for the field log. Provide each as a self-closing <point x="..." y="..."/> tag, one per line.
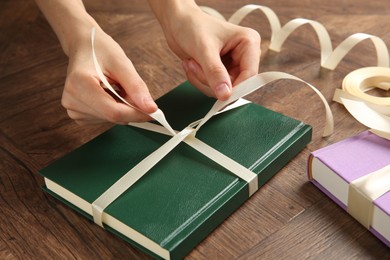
<point x="363" y="191"/>
<point x="369" y="110"/>
<point x="158" y="115"/>
<point x="187" y="135"/>
<point x="329" y="58"/>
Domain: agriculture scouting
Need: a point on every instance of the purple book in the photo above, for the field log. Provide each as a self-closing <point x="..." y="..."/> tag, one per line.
<point x="332" y="168"/>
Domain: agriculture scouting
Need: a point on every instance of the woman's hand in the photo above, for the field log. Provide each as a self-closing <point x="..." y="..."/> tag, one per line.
<point x="83" y="97"/>
<point x="216" y="54"/>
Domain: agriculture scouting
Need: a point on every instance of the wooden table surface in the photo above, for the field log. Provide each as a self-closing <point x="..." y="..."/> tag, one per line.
<point x="287" y="218"/>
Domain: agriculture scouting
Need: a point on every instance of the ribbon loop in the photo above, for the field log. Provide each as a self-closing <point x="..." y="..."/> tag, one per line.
<point x="288" y="28"/>
<point x="273" y="19"/>
<point x="329" y="58"/>
<point x="260" y="80"/>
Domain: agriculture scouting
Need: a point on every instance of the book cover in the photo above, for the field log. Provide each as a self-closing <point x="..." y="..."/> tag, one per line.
<point x="334" y="167"/>
<point x="186" y="195"/>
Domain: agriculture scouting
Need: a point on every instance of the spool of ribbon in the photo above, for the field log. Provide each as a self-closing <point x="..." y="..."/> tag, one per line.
<point x="372" y="111"/>
<point x="187" y="135"/>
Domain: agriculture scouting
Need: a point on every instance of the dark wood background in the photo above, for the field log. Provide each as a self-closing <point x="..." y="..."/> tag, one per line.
<point x="287" y="218"/>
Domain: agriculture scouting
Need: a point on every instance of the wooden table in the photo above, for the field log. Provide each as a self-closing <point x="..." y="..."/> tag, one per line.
<point x="287" y="218"/>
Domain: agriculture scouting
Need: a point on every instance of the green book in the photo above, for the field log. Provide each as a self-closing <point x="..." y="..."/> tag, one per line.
<point x="177" y="203"/>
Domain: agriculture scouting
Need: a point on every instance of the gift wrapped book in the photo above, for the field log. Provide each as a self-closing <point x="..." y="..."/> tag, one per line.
<point x="355" y="173"/>
<point x="186" y="195"/>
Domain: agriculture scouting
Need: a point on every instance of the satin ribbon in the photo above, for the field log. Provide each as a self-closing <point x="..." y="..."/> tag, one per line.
<point x="158" y="115"/>
<point x="372" y="111"/>
<point x="363" y="191"/>
<point x="187" y="135"/>
<point x="329" y="58"/>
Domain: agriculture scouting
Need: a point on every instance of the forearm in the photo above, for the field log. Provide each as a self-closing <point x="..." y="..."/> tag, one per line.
<point x="69" y="20"/>
<point x="169" y="12"/>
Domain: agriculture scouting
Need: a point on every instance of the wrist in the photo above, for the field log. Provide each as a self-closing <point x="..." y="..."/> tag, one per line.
<point x="169" y="13"/>
<point x="78" y="34"/>
<point x="69" y="20"/>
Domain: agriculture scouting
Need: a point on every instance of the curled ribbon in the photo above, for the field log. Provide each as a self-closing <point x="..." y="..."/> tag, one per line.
<point x="187" y="135"/>
<point x="329" y="58"/>
<point x="369" y="110"/>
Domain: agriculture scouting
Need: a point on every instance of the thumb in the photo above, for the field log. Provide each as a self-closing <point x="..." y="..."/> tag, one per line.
<point x="139" y="94"/>
<point x="134" y="87"/>
<point x="216" y="75"/>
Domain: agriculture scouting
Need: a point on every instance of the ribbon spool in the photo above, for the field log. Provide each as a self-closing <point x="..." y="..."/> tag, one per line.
<point x="372" y="111"/>
<point x="362" y="80"/>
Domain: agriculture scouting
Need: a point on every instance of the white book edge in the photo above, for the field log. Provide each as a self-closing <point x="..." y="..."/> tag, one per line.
<point x="108" y="219"/>
<point x="338" y="187"/>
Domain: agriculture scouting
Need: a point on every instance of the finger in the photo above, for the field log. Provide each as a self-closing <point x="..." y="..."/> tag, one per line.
<point x="84" y="94"/>
<point x="123" y="71"/>
<point x="248" y="56"/>
<point x="84" y="122"/>
<point x="216" y="74"/>
<point x="118" y="113"/>
<point x="83" y="118"/>
<point x="195" y="69"/>
<point x="76" y="99"/>
<point x="234" y="73"/>
<point x="74" y="103"/>
<point x="192" y="77"/>
<point x="76" y="115"/>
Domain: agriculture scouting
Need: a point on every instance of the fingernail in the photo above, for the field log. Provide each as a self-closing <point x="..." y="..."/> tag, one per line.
<point x="222" y="91"/>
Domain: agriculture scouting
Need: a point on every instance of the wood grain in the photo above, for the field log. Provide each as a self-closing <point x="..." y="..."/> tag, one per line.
<point x="287" y="219"/>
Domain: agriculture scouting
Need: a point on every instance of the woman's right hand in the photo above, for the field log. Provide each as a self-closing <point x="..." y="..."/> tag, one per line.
<point x="84" y="98"/>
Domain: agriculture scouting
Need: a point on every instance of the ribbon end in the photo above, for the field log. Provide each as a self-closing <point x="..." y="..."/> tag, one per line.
<point x="159" y="116"/>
